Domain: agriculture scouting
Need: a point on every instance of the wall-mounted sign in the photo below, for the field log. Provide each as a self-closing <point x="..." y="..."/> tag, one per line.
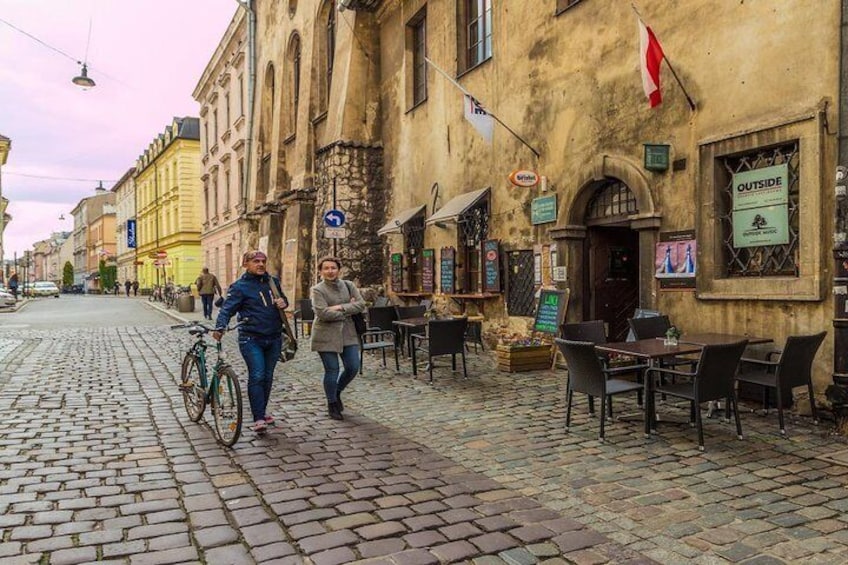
<point x="335" y="233"/>
<point x="675" y="260"/>
<point x="656" y="156"/>
<point x="768" y="186"/>
<point x="428" y="270"/>
<point x="334" y="218"/>
<point x="491" y="266"/>
<point x="524" y="178"/>
<point x="551" y="311"/>
<point x="397" y="272"/>
<point x="447" y="270"/>
<point x="761" y="226"/>
<point x="543" y="210"/>
<point x="560" y="274"/>
<point x="131" y="234"/>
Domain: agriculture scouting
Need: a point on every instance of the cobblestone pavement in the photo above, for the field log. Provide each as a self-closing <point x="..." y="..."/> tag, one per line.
<point x="99" y="462"/>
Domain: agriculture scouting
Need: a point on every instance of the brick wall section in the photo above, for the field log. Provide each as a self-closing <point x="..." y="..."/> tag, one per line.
<point x="360" y="194"/>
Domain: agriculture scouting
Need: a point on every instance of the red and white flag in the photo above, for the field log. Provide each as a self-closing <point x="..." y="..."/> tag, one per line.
<point x="482" y="121"/>
<point x="650" y="58"/>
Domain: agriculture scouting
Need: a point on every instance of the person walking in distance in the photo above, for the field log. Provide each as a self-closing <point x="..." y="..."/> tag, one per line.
<point x="135" y="288"/>
<point x="260" y="339"/>
<point x="207" y="287"/>
<point x="128" y="286"/>
<point x="333" y="333"/>
<point x="13" y="285"/>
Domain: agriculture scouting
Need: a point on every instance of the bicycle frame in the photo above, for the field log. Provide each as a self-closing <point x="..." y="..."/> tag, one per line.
<point x="209" y="384"/>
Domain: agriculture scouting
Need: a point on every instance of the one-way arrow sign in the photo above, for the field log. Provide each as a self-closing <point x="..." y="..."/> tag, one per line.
<point x="334" y="218"/>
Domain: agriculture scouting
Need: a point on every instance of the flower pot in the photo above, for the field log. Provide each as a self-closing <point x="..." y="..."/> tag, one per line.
<point x="520" y="358"/>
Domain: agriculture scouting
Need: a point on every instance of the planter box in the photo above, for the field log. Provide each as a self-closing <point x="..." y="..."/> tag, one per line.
<point x="516" y="358"/>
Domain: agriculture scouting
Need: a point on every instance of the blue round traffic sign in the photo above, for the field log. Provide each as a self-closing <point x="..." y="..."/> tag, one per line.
<point x="334" y="218"/>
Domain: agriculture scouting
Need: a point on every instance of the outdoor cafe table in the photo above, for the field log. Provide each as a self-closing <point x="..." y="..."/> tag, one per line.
<point x="650" y="350"/>
<point x="719" y="338"/>
<point x="407" y="327"/>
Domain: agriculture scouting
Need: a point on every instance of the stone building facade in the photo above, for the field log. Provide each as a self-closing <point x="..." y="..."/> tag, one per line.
<point x="222" y="95"/>
<point x="93" y="236"/>
<point x="573" y="92"/>
<point x="315" y="141"/>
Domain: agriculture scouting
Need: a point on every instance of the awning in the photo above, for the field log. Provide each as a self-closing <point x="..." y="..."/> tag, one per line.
<point x="395" y="224"/>
<point x="455" y="207"/>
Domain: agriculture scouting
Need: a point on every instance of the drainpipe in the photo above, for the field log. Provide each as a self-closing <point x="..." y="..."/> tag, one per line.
<point x="248" y="5"/>
<point x="838" y="394"/>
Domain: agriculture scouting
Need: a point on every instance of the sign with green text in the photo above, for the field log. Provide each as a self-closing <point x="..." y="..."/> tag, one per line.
<point x="551" y="310"/>
<point x="761" y="226"/>
<point x="397" y="272"/>
<point x="543" y="210"/>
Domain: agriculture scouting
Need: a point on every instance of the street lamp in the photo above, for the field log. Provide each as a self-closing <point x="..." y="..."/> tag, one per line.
<point x="83" y="80"/>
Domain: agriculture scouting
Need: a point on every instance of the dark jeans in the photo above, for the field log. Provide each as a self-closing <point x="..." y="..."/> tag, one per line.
<point x="261" y="355"/>
<point x="335" y="383"/>
<point x="207" y="304"/>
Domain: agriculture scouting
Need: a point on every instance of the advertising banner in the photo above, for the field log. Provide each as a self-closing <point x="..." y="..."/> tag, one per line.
<point x="131" y="240"/>
<point x="761" y="226"/>
<point x="675" y="260"/>
<point x="761" y="187"/>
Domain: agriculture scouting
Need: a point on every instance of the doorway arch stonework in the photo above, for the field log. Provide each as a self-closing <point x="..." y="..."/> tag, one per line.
<point x="571" y="230"/>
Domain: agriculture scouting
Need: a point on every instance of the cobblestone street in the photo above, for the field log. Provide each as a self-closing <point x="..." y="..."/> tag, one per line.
<point x="99" y="462"/>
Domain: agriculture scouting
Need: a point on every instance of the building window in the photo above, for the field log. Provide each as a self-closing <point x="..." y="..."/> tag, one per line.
<point x="227" y="194"/>
<point x="215" y="126"/>
<point x="413" y="236"/>
<point x="473" y="229"/>
<point x="294" y="82"/>
<point x="775" y="260"/>
<point x="227" y="110"/>
<point x="476" y="32"/>
<point x="206" y="136"/>
<point x="418" y="35"/>
<point x="206" y="200"/>
<point x="331" y="47"/>
<point x="241" y="95"/>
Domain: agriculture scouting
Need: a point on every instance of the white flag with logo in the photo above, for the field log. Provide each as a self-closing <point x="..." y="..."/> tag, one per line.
<point x="479" y="118"/>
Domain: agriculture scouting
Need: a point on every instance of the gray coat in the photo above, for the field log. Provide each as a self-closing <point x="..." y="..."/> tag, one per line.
<point x="333" y="330"/>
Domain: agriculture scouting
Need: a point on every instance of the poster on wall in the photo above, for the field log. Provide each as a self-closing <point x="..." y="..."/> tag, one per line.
<point x="675" y="260"/>
<point x="491" y="266"/>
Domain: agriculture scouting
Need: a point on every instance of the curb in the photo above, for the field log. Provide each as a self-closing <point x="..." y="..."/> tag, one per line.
<point x="167" y="312"/>
<point x="16" y="308"/>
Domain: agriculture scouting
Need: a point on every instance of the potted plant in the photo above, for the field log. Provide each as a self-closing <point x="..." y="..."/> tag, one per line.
<point x="518" y="354"/>
<point x="672" y="335"/>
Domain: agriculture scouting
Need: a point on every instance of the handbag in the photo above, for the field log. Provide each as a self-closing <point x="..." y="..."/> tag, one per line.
<point x="289" y="348"/>
<point x="358" y="319"/>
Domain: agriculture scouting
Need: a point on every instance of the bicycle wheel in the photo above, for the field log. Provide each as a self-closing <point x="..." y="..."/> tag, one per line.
<point x="191" y="385"/>
<point x="226" y="407"/>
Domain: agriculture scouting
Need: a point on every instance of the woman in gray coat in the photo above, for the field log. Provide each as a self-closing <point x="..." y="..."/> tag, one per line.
<point x="333" y="334"/>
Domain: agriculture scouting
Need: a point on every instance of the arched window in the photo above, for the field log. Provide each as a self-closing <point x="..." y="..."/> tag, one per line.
<point x="294" y="63"/>
<point x="331" y="47"/>
<point x="266" y="116"/>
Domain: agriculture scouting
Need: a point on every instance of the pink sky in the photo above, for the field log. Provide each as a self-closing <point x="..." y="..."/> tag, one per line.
<point x="155" y="52"/>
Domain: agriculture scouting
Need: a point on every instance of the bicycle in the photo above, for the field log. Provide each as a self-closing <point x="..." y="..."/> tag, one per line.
<point x="220" y="389"/>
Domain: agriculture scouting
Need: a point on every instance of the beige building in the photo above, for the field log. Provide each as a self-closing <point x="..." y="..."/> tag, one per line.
<point x="126" y="239"/>
<point x="222" y="95"/>
<point x="49" y="259"/>
<point x="5" y="218"/>
<point x="93" y="236"/>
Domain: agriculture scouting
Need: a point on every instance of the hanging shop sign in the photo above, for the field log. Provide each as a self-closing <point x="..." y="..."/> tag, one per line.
<point x="131" y="234"/>
<point x="761" y="226"/>
<point x="656" y="156"/>
<point x="675" y="260"/>
<point x="768" y="186"/>
<point x="523" y="177"/>
<point x="543" y="210"/>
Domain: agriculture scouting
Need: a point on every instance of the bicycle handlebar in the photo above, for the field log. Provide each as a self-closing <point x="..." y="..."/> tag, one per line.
<point x="206" y="329"/>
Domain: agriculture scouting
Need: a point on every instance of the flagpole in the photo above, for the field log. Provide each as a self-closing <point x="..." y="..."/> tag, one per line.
<point x="668" y="63"/>
<point x="494" y="117"/>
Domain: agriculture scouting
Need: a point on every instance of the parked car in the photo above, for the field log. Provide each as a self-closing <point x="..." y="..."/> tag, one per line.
<point x="6" y="299"/>
<point x="43" y="288"/>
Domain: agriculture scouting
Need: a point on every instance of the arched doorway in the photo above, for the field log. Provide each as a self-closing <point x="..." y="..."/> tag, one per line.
<point x="611" y="273"/>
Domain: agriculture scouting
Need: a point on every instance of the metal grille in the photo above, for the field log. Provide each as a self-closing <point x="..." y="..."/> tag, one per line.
<point x="474" y="225"/>
<point x="612" y="199"/>
<point x="521" y="298"/>
<point x="765" y="260"/>
<point x="413" y="233"/>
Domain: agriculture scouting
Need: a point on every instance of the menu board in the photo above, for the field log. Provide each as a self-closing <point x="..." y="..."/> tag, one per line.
<point x="397" y="272"/>
<point x="491" y="266"/>
<point x="551" y="310"/>
<point x="428" y="270"/>
<point x="447" y="272"/>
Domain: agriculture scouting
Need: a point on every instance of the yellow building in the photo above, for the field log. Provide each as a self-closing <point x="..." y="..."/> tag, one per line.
<point x="168" y="206"/>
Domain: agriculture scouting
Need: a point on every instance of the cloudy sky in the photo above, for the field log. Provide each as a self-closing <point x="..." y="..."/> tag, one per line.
<point x="146" y="57"/>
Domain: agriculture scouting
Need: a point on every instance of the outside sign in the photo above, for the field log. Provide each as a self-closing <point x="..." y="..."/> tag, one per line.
<point x="397" y="272"/>
<point x="551" y="311"/>
<point x="335" y="233"/>
<point x="334" y="218"/>
<point x="761" y="226"/>
<point x="131" y="234"/>
<point x="543" y="210"/>
<point x="656" y="157"/>
<point x="761" y="187"/>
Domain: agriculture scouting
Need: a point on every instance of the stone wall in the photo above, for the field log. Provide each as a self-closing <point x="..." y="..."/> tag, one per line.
<point x="360" y="194"/>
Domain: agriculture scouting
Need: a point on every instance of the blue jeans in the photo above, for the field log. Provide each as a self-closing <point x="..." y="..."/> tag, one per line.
<point x="261" y="355"/>
<point x="207" y="304"/>
<point x="334" y="382"/>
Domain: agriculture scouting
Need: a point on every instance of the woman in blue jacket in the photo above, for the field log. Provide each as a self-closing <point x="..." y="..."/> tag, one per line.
<point x="260" y="339"/>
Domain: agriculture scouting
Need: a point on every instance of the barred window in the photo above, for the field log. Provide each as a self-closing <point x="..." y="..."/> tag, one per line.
<point x="418" y="28"/>
<point x="764" y="260"/>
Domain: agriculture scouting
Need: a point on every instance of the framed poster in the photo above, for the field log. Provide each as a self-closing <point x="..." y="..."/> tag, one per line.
<point x="675" y="260"/>
<point x="491" y="266"/>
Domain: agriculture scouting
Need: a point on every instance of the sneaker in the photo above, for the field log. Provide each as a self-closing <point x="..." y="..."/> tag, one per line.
<point x="270" y="420"/>
<point x="259" y="426"/>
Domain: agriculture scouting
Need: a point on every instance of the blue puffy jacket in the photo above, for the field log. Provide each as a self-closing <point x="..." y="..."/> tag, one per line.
<point x="251" y="297"/>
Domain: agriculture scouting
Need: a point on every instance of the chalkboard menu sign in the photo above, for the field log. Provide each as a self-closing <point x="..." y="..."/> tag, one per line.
<point x="397" y="272"/>
<point x="551" y="311"/>
<point x="428" y="270"/>
<point x="491" y="266"/>
<point x="447" y="271"/>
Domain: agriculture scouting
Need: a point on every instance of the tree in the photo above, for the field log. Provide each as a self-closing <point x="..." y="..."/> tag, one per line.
<point x="67" y="274"/>
<point x="108" y="275"/>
